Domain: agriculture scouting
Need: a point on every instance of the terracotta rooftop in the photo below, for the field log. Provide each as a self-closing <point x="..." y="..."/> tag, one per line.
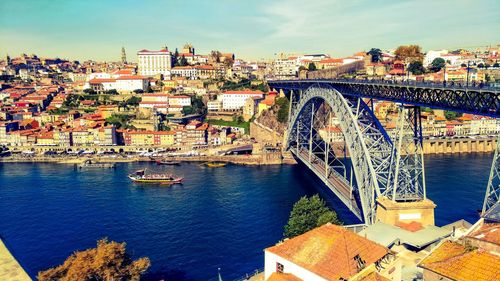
<point x="374" y="276"/>
<point x="275" y="276"/>
<point x="455" y="262"/>
<point x="330" y="251"/>
<point x="489" y="232"/>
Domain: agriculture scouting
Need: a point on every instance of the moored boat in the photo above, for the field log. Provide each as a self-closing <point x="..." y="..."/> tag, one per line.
<point x="215" y="164"/>
<point x="167" y="162"/>
<point x="167" y="179"/>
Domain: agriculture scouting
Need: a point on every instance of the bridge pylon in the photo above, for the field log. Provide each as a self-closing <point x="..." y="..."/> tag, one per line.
<point x="491" y="205"/>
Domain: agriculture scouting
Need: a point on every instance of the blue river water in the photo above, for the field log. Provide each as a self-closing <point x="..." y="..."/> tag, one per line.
<point x="219" y="218"/>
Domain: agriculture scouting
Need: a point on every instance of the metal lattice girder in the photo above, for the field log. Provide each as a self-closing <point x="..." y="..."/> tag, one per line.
<point x="474" y="101"/>
<point x="369" y="145"/>
<point x="408" y="173"/>
<point x="491" y="205"/>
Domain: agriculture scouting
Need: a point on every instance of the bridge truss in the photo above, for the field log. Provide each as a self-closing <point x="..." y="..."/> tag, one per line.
<point x="491" y="205"/>
<point x="377" y="167"/>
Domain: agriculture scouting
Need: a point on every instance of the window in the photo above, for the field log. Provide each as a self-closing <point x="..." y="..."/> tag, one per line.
<point x="360" y="262"/>
<point x="279" y="267"/>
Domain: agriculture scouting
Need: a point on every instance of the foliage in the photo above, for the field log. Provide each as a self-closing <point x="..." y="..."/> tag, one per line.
<point x="198" y="105"/>
<point x="311" y="67"/>
<point x="111" y="92"/>
<point x="307" y="214"/>
<point x="186" y="110"/>
<point x="376" y="54"/>
<point x="133" y="101"/>
<point x="119" y="120"/>
<point x="481" y="65"/>
<point x="451" y="115"/>
<point x="463" y="65"/>
<point x="90" y="91"/>
<point x="183" y="61"/>
<point x="138" y="91"/>
<point x="58" y="111"/>
<point x="108" y="261"/>
<point x="409" y="53"/>
<point x="235" y="123"/>
<point x="437" y="64"/>
<point x="496" y="64"/>
<point x="416" y="67"/>
<point x="283" y="104"/>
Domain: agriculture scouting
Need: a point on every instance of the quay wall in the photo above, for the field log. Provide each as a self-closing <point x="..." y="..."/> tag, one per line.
<point x="467" y="145"/>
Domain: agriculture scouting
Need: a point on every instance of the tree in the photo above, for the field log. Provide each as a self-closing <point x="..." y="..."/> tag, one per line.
<point x="451" y="115"/>
<point x="183" y="61"/>
<point x="376" y="54"/>
<point x="496" y="64"/>
<point x="138" y="91"/>
<point x="437" y="64"/>
<point x="108" y="261"/>
<point x="409" y="53"/>
<point x="416" y="68"/>
<point x="186" y="110"/>
<point x="112" y="92"/>
<point x="89" y="91"/>
<point x="463" y="65"/>
<point x="481" y="65"/>
<point x="283" y="105"/>
<point x="311" y="67"/>
<point x="133" y="101"/>
<point x="309" y="213"/>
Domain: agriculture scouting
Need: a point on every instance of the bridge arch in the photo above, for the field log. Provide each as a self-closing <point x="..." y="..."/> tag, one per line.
<point x="369" y="146"/>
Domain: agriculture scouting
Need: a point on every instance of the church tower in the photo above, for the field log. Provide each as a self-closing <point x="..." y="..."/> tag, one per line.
<point x="124" y="56"/>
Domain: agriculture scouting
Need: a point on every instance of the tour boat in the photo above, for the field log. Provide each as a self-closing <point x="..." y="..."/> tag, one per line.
<point x="167" y="162"/>
<point x="141" y="177"/>
<point x="215" y="164"/>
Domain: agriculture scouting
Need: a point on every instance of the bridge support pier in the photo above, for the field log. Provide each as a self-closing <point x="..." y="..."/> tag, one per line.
<point x="400" y="213"/>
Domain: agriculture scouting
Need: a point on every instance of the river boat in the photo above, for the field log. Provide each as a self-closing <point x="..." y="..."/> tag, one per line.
<point x="215" y="164"/>
<point x="90" y="164"/>
<point x="164" y="179"/>
<point x="167" y="162"/>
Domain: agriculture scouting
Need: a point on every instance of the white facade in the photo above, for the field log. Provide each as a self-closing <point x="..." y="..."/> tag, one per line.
<point x="271" y="262"/>
<point x="126" y="83"/>
<point x="151" y="63"/>
<point x="179" y="101"/>
<point x="431" y="55"/>
<point x="189" y="72"/>
<point x="235" y="100"/>
<point x="214" y="105"/>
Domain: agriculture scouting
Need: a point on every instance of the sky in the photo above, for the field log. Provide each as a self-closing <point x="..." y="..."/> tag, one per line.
<point x="252" y="29"/>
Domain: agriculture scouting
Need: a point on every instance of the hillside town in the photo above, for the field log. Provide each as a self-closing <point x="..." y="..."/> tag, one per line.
<point x="185" y="101"/>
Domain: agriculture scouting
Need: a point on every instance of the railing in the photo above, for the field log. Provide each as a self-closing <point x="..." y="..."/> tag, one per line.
<point x="458" y="85"/>
<point x="248" y="276"/>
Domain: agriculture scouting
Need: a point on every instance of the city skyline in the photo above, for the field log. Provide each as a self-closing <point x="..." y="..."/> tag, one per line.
<point x="98" y="29"/>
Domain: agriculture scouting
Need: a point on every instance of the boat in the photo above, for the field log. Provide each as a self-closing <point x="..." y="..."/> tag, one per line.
<point x="167" y="162"/>
<point x="90" y="164"/>
<point x="167" y="179"/>
<point x="215" y="164"/>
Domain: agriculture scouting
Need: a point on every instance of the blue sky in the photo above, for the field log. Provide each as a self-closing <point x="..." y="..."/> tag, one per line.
<point x="253" y="29"/>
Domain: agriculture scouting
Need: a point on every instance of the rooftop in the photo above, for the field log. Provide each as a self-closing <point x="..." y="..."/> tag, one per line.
<point x="330" y="251"/>
<point x="458" y="262"/>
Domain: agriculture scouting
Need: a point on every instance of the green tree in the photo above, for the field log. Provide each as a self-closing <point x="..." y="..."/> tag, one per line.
<point x="437" y="64"/>
<point x="416" y="68"/>
<point x="496" y="64"/>
<point x="309" y="213"/>
<point x="311" y="67"/>
<point x="112" y="92"/>
<point x="183" y="61"/>
<point x="138" y="91"/>
<point x="186" y="110"/>
<point x="108" y="261"/>
<point x="451" y="115"/>
<point x="133" y="101"/>
<point x="481" y="65"/>
<point x="376" y="54"/>
<point x="90" y="91"/>
<point x="283" y="104"/>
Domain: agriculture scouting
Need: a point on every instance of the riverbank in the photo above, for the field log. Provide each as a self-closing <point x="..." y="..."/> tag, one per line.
<point x="274" y="158"/>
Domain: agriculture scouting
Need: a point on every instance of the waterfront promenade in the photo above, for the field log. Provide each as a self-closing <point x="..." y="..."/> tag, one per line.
<point x="10" y="269"/>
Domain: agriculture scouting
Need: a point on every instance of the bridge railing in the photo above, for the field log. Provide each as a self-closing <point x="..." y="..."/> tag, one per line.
<point x="456" y="85"/>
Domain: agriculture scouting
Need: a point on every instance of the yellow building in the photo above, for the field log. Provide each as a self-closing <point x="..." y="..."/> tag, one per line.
<point x="107" y="110"/>
<point x="170" y="84"/>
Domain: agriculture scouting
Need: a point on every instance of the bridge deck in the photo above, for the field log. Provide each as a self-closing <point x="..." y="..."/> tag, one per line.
<point x="335" y="182"/>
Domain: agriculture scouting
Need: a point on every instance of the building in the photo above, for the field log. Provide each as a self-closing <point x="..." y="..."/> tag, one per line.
<point x="151" y="63"/>
<point x="330" y="252"/>
<point x="475" y="256"/>
<point x="214" y="105"/>
<point x="235" y="100"/>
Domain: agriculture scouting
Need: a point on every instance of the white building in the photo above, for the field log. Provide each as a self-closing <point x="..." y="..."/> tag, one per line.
<point x="179" y="101"/>
<point x="120" y="84"/>
<point x="330" y="252"/>
<point x="189" y="72"/>
<point x="432" y="55"/>
<point x="235" y="100"/>
<point x="214" y="105"/>
<point x="151" y="63"/>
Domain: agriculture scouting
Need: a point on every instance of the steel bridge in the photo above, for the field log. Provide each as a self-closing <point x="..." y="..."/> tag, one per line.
<point x="378" y="164"/>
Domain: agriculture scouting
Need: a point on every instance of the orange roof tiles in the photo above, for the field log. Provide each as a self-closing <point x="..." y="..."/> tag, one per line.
<point x="329" y="251"/>
<point x="374" y="276"/>
<point x="489" y="232"/>
<point x="454" y="261"/>
<point x="411" y="226"/>
<point x="244" y="92"/>
<point x="275" y="276"/>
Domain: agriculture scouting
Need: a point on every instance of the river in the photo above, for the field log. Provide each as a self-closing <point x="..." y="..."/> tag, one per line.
<point x="219" y="218"/>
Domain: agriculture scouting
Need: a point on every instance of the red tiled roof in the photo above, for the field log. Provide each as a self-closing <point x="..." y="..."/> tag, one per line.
<point x="329" y="251"/>
<point x="275" y="276"/>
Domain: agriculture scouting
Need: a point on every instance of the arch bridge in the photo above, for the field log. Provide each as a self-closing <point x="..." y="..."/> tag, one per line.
<point x="330" y="119"/>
